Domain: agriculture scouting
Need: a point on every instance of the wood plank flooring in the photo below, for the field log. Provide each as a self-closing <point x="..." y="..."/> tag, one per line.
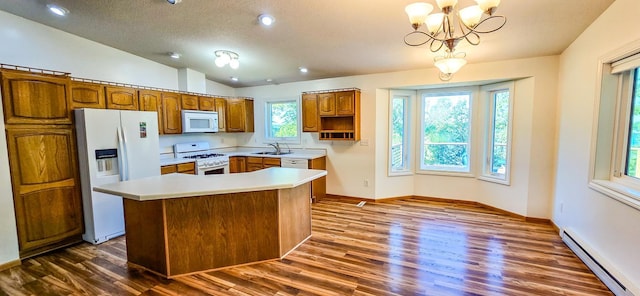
<point x="400" y="247"/>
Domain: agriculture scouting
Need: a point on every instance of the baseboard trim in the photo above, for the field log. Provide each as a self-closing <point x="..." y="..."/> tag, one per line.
<point x="7" y="265"/>
<point x="447" y="200"/>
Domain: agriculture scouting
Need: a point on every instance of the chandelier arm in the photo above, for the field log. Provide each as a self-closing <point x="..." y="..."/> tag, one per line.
<point x="475" y="29"/>
<point x="429" y="38"/>
<point x="445" y="76"/>
<point x="433" y="41"/>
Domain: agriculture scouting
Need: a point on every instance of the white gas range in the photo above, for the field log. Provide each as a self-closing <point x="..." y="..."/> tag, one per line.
<point x="207" y="161"/>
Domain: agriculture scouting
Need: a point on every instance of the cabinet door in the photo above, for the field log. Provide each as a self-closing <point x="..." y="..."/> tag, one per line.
<point x="171" y="117"/>
<point x="268" y="162"/>
<point x="46" y="187"/>
<point x="345" y="103"/>
<point x="87" y="95"/>
<point x="189" y="102"/>
<point x="309" y="113"/>
<point x="327" y="104"/>
<point x="151" y="100"/>
<point x="206" y="104"/>
<point x="235" y="115"/>
<point x="237" y="164"/>
<point x="254" y="163"/>
<point x="121" y="98"/>
<point x="30" y="98"/>
<point x="221" y="108"/>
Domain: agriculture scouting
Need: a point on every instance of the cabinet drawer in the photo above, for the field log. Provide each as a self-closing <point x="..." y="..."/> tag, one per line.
<point x="251" y="159"/>
<point x="270" y="162"/>
<point x="185" y="167"/>
<point x="167" y="169"/>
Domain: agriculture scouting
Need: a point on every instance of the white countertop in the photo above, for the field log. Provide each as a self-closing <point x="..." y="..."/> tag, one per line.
<point x="184" y="185"/>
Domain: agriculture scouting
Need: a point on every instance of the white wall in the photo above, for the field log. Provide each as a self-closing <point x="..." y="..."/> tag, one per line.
<point x="349" y="164"/>
<point x="609" y="228"/>
<point x="191" y="80"/>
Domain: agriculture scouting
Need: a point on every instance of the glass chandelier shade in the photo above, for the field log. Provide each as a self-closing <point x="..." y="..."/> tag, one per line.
<point x="225" y="57"/>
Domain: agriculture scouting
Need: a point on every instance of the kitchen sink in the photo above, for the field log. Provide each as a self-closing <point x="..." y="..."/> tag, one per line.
<point x="271" y="153"/>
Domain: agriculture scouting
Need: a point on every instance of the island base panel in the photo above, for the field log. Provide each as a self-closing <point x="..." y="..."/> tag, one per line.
<point x="181" y="236"/>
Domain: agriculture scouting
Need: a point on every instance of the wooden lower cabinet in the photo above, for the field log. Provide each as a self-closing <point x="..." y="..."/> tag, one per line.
<point x="237" y="164"/>
<point x="318" y="186"/>
<point x="254" y="163"/>
<point x="268" y="162"/>
<point x="183" y="168"/>
<point x="46" y="188"/>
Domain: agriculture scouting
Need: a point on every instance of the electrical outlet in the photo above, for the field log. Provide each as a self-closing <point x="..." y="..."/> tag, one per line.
<point x="366" y="182"/>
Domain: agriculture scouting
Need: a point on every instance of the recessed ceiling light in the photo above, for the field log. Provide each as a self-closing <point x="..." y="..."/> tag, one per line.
<point x="269" y="80"/>
<point x="175" y="55"/>
<point x="174" y="1"/>
<point x="266" y="19"/>
<point x="303" y="70"/>
<point x="58" y="10"/>
<point x="234" y="79"/>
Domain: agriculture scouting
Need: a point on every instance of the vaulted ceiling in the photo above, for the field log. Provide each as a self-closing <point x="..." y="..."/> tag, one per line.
<point x="331" y="38"/>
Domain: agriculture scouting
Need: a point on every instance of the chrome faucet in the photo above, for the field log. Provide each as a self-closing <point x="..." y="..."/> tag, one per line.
<point x="275" y="146"/>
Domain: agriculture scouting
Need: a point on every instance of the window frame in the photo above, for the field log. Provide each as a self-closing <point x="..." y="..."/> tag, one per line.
<point x="268" y="122"/>
<point x="488" y="95"/>
<point x="409" y="98"/>
<point x="608" y="147"/>
<point x="472" y="91"/>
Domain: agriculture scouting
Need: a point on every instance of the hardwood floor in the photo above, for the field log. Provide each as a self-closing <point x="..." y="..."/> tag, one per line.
<point x="400" y="247"/>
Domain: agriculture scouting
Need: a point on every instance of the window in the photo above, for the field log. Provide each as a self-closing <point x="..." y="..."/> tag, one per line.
<point x="399" y="133"/>
<point x="615" y="170"/>
<point x="497" y="152"/>
<point x="282" y="121"/>
<point x="445" y="131"/>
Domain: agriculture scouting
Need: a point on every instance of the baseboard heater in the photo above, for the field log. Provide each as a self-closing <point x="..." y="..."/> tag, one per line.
<point x="607" y="278"/>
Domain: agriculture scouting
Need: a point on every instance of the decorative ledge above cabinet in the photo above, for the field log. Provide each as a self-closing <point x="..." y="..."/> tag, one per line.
<point x="334" y="114"/>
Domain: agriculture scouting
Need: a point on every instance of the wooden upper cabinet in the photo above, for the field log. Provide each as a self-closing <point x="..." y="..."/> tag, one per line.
<point x="151" y="100"/>
<point x="221" y="108"/>
<point x="206" y="104"/>
<point x="122" y="98"/>
<point x="189" y="102"/>
<point x="345" y="104"/>
<point x="171" y="116"/>
<point x="239" y="115"/>
<point x="31" y="98"/>
<point x="46" y="187"/>
<point x="309" y="113"/>
<point x="327" y="104"/>
<point x="87" y="95"/>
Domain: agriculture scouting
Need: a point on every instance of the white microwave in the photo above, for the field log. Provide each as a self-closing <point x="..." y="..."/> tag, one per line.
<point x="199" y="121"/>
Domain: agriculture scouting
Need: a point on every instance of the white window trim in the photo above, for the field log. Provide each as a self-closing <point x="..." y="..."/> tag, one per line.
<point x="485" y="174"/>
<point x="409" y="97"/>
<point x="267" y="123"/>
<point x="606" y="142"/>
<point x="454" y="171"/>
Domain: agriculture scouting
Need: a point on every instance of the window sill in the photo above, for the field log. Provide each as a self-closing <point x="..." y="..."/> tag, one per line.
<point x="494" y="180"/>
<point x="617" y="191"/>
<point x="399" y="173"/>
<point x="447" y="173"/>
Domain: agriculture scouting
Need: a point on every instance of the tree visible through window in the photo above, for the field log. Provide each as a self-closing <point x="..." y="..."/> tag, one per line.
<point x="446" y="132"/>
<point x="282" y="120"/>
<point x="633" y="144"/>
<point x="500" y="131"/>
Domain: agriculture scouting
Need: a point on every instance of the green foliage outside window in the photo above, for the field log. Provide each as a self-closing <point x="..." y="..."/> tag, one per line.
<point x="283" y="119"/>
<point x="446" y="130"/>
<point x="634" y="130"/>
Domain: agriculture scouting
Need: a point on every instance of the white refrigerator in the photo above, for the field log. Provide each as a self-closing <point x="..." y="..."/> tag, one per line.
<point x="113" y="145"/>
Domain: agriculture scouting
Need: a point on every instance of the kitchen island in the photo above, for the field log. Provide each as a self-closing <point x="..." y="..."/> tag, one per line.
<point x="180" y="224"/>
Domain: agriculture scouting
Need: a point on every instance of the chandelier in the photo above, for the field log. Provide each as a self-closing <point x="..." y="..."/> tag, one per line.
<point x="441" y="29"/>
<point x="225" y="57"/>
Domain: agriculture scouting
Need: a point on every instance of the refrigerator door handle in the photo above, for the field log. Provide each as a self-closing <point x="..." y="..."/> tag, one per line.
<point x="126" y="153"/>
<point x="123" y="154"/>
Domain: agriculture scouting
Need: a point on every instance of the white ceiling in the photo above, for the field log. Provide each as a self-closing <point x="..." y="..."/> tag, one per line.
<point x="331" y="37"/>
